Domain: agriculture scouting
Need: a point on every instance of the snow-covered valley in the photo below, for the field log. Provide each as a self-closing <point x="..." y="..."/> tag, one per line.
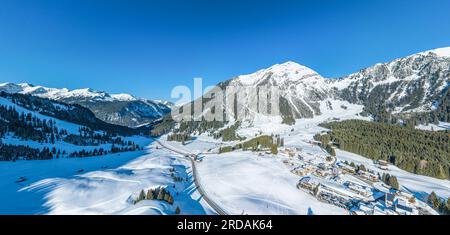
<point x="240" y="182"/>
<point x="93" y="166"/>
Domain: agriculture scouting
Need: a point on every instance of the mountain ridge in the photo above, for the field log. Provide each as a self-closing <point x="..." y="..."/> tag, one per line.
<point x="410" y="84"/>
<point x="121" y="109"/>
<point x="417" y="83"/>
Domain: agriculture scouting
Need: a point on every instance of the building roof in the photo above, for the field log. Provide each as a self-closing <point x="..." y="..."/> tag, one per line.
<point x="390" y="197"/>
<point x="403" y="205"/>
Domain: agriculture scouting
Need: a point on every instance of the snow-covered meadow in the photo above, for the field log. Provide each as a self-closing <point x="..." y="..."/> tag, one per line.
<point x="15" y="199"/>
<point x="245" y="183"/>
<point x="98" y="185"/>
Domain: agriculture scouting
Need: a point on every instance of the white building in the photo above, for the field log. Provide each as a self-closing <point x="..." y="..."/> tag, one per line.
<point x="402" y="207"/>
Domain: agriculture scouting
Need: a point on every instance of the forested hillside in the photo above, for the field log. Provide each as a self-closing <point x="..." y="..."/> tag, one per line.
<point x="417" y="151"/>
<point x="33" y="128"/>
<point x="68" y="112"/>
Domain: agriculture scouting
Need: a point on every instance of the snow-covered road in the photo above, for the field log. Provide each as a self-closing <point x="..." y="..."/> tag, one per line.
<point x="197" y="181"/>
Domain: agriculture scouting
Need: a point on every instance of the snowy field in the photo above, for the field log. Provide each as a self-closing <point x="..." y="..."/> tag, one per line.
<point x="108" y="187"/>
<point x="15" y="200"/>
<point x="245" y="183"/>
<point x="442" y="126"/>
<point x="112" y="191"/>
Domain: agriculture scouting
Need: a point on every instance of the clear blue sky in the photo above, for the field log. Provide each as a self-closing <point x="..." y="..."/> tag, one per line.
<point x="147" y="47"/>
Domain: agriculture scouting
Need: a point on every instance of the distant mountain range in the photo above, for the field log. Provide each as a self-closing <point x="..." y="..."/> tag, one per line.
<point x="120" y="109"/>
<point x="34" y="128"/>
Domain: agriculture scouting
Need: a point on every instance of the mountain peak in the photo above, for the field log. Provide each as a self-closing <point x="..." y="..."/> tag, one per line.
<point x="444" y="51"/>
<point x="288" y="71"/>
<point x="24" y="84"/>
<point x="440" y="52"/>
<point x="290" y="66"/>
<point x="123" y="97"/>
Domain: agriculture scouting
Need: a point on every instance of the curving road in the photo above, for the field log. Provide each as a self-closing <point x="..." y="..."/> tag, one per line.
<point x="198" y="186"/>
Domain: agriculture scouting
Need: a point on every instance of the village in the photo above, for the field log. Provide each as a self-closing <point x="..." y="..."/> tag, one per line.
<point x="358" y="190"/>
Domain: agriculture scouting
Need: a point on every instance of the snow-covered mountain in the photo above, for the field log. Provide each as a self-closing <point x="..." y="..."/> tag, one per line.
<point x="413" y="84"/>
<point x="301" y="88"/>
<point x="31" y="126"/>
<point x="416" y="83"/>
<point x="121" y="109"/>
<point x="63" y="94"/>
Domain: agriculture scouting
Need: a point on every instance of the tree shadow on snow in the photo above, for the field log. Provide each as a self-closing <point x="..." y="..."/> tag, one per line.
<point x="185" y="199"/>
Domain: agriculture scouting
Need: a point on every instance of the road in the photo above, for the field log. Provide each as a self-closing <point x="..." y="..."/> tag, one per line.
<point x="197" y="183"/>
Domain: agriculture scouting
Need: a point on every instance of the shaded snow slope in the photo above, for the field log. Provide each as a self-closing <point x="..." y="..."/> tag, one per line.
<point x="111" y="191"/>
<point x="15" y="200"/>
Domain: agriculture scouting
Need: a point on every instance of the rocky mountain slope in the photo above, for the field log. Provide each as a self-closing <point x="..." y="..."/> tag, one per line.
<point x="301" y="89"/>
<point x="416" y="84"/>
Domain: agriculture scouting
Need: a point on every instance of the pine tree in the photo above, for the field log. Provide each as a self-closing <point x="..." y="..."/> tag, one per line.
<point x="170" y="200"/>
<point x="434" y="201"/>
<point x="166" y="196"/>
<point x="160" y="194"/>
<point x="150" y="194"/>
<point x="316" y="190"/>
<point x="394" y="183"/>
<point x="142" y="195"/>
<point x="333" y="152"/>
<point x="383" y="178"/>
<point x="447" y="207"/>
<point x="274" y="149"/>
<point x="362" y="167"/>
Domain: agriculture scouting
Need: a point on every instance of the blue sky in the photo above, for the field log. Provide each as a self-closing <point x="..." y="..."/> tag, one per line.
<point x="147" y="47"/>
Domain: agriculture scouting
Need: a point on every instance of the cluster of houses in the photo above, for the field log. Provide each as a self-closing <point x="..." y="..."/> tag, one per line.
<point x="290" y="152"/>
<point x="307" y="164"/>
<point x="360" y="192"/>
<point x="334" y="197"/>
<point x="324" y="193"/>
<point x="359" y="199"/>
<point x="389" y="204"/>
<point x="382" y="164"/>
